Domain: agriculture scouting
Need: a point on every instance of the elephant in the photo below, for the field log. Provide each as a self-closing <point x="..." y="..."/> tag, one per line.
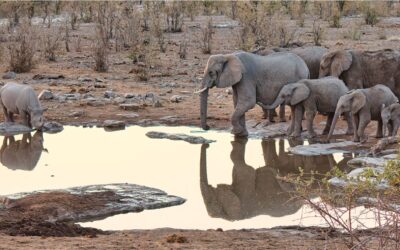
<point x="22" y="154"/>
<point x="312" y="57"/>
<point x="391" y="118"/>
<point x="364" y="105"/>
<point x="258" y="191"/>
<point x="310" y="96"/>
<point x="363" y="69"/>
<point x="252" y="78"/>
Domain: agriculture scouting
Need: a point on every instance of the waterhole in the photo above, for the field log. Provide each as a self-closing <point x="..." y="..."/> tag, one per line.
<point x="230" y="184"/>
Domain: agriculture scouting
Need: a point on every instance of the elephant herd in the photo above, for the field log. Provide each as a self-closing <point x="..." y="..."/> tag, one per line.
<point x="361" y="85"/>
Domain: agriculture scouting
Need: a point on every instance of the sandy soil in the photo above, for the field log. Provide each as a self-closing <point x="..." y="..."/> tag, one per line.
<point x="182" y="76"/>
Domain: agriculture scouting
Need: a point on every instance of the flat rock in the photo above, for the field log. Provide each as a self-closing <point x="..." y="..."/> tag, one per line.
<point x="9" y="75"/>
<point x="178" y="137"/>
<point x="10" y="128"/>
<point x="130" y="106"/>
<point x="49" y="76"/>
<point x="176" y="98"/>
<point x="52" y="127"/>
<point x="113" y="125"/>
<point x="367" y="162"/>
<point x="91" y="202"/>
<point x="46" y="95"/>
<point x="321" y="149"/>
<point x="357" y="176"/>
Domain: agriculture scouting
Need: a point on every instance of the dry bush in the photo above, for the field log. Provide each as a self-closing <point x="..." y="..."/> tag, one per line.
<point x="129" y="32"/>
<point x="107" y="15"/>
<point x="174" y="11"/>
<point x="207" y="32"/>
<point x="51" y="42"/>
<point x="183" y="49"/>
<point x="318" y="33"/>
<point x="354" y="32"/>
<point x="191" y="8"/>
<point x="335" y="19"/>
<point x="370" y="16"/>
<point x="157" y="28"/>
<point x="22" y="48"/>
<point x="100" y="50"/>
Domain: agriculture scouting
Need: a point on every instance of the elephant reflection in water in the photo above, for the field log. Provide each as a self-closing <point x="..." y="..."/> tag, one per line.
<point x="22" y="154"/>
<point x="257" y="191"/>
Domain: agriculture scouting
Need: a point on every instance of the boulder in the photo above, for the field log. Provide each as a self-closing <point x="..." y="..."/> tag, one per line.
<point x="11" y="128"/>
<point x="9" y="75"/>
<point x="130" y="106"/>
<point x="52" y="127"/>
<point x="178" y="137"/>
<point x="113" y="125"/>
<point x="46" y="95"/>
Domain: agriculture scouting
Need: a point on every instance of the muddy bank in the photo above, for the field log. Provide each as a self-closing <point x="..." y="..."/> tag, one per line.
<point x="53" y="213"/>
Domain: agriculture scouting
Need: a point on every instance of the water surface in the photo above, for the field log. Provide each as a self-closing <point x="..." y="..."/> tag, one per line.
<point x="229" y="184"/>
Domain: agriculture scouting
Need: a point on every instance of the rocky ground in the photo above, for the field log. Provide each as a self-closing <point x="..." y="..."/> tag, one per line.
<point x="77" y="95"/>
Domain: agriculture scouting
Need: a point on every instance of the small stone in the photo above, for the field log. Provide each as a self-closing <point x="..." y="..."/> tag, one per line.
<point x="99" y="85"/>
<point x="87" y="96"/>
<point x="10" y="75"/>
<point x="176" y="98"/>
<point x="228" y="91"/>
<point x="52" y="127"/>
<point x="130" y="106"/>
<point x="119" y="100"/>
<point x="85" y="79"/>
<point x="97" y="79"/>
<point x="157" y="104"/>
<point x="129" y="115"/>
<point x="77" y="113"/>
<point x="113" y="124"/>
<point x="109" y="94"/>
<point x="129" y="95"/>
<point x="169" y="91"/>
<point x="96" y="103"/>
<point x="46" y="95"/>
<point x="72" y="97"/>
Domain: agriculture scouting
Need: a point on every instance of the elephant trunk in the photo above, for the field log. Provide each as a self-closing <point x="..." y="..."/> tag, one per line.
<point x="278" y="101"/>
<point x="334" y="121"/>
<point x="203" y="109"/>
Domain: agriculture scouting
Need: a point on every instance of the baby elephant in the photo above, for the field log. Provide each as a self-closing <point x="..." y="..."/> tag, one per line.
<point x="312" y="96"/>
<point x="391" y="118"/>
<point x="21" y="99"/>
<point x="365" y="105"/>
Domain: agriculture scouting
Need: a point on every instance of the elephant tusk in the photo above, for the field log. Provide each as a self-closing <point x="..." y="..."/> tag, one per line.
<point x="201" y="90"/>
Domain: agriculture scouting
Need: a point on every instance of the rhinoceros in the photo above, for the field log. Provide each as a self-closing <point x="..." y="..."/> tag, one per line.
<point x="21" y="99"/>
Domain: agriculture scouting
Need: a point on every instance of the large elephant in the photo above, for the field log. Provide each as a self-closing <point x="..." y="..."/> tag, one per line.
<point x="312" y="57"/>
<point x="253" y="78"/>
<point x="364" y="69"/>
<point x="23" y="154"/>
<point x="365" y="105"/>
<point x="312" y="96"/>
<point x="258" y="191"/>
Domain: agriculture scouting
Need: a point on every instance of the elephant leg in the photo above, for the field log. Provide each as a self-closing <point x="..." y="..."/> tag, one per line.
<point x="328" y="123"/>
<point x="379" y="129"/>
<point x="11" y="116"/>
<point x="361" y="128"/>
<point x="310" y="115"/>
<point x="282" y="117"/>
<point x="390" y="128"/>
<point x="350" y="124"/>
<point x="356" y="122"/>
<point x="6" y="114"/>
<point x="238" y="118"/>
<point x="271" y="114"/>
<point x="395" y="128"/>
<point x="291" y="126"/>
<point x="297" y="120"/>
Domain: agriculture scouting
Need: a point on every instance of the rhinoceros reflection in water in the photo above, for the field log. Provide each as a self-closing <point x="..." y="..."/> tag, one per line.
<point x="258" y="191"/>
<point x="22" y="154"/>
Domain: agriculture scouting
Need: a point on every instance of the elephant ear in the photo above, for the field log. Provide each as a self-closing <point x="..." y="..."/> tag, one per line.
<point x="358" y="101"/>
<point x="231" y="72"/>
<point x="341" y="62"/>
<point x="300" y="93"/>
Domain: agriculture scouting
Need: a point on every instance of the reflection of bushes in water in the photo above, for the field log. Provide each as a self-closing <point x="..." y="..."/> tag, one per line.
<point x="336" y="206"/>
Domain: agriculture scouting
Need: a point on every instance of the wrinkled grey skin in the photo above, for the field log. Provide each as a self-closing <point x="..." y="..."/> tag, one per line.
<point x="22" y="154"/>
<point x="21" y="99"/>
<point x="258" y="191"/>
<point x="252" y="78"/>
<point x="312" y="96"/>
<point x="391" y="119"/>
<point x="363" y="69"/>
<point x="365" y="105"/>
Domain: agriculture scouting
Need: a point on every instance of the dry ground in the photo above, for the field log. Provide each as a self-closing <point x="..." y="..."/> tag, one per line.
<point x="186" y="75"/>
